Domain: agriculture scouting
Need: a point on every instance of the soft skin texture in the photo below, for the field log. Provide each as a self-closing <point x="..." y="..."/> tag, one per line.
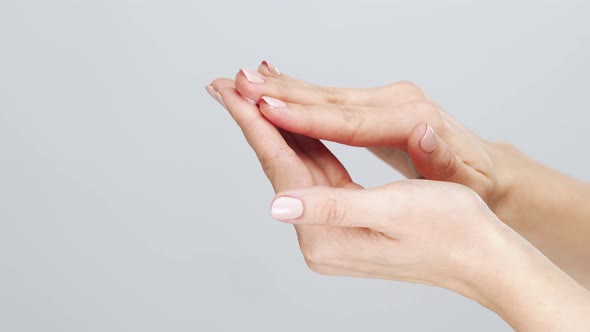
<point x="421" y="231"/>
<point x="544" y="206"/>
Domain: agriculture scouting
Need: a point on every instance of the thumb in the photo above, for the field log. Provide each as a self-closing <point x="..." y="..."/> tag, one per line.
<point x="340" y="207"/>
<point x="434" y="159"/>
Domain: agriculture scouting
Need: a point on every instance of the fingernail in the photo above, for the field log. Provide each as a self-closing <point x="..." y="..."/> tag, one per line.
<point x="252" y="76"/>
<point x="211" y="90"/>
<point x="271" y="68"/>
<point x="274" y="103"/>
<point x="250" y="101"/>
<point x="220" y="99"/>
<point x="428" y="141"/>
<point x="286" y="208"/>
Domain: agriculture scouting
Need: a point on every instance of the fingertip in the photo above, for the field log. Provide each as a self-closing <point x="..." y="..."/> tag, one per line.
<point x="286" y="209"/>
<point x="277" y="112"/>
<point x="210" y="90"/>
<point x="219" y="95"/>
<point x="419" y="130"/>
<point x="230" y="96"/>
<point x="428" y="141"/>
<point x="416" y="135"/>
<point x="221" y="83"/>
<point x="268" y="69"/>
<point x="420" y="149"/>
<point x="274" y="103"/>
<point x="247" y="89"/>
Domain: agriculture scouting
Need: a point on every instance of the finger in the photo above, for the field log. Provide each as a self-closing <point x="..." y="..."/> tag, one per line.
<point x="218" y="84"/>
<point x="374" y="208"/>
<point x="335" y="172"/>
<point x="278" y="160"/>
<point x="222" y="83"/>
<point x="435" y="159"/>
<point x="316" y="171"/>
<point x="254" y="85"/>
<point x="268" y="70"/>
<point x="351" y="125"/>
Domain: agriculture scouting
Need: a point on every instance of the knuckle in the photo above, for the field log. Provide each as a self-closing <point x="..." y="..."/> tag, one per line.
<point x="269" y="162"/>
<point x="427" y="110"/>
<point x="408" y="87"/>
<point x="332" y="213"/>
<point x="353" y="121"/>
<point x="448" y="164"/>
<point x="332" y="96"/>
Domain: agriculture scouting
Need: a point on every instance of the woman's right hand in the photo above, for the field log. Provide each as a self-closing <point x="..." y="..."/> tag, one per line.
<point x="436" y="233"/>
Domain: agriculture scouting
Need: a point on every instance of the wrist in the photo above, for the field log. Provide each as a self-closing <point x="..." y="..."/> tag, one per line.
<point x="513" y="169"/>
<point x="514" y="280"/>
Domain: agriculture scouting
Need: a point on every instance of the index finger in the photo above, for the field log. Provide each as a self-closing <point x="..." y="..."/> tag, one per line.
<point x="278" y="160"/>
<point x="351" y="125"/>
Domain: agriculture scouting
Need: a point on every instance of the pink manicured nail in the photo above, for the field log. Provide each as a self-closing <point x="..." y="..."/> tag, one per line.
<point x="211" y="90"/>
<point x="220" y="99"/>
<point x="250" y="101"/>
<point x="271" y="68"/>
<point x="252" y="76"/>
<point x="286" y="208"/>
<point x="274" y="103"/>
<point x="428" y="141"/>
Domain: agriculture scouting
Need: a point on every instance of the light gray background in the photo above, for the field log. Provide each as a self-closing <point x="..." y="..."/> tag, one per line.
<point x="129" y="200"/>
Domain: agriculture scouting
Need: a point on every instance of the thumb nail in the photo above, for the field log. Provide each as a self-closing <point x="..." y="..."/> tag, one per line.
<point x="286" y="208"/>
<point x="428" y="141"/>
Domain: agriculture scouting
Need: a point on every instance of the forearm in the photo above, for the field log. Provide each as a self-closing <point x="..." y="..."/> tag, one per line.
<point x="527" y="290"/>
<point x="551" y="210"/>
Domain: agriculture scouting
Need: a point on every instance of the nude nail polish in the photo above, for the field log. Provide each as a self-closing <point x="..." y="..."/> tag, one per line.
<point x="250" y="101"/>
<point x="253" y="76"/>
<point x="428" y="141"/>
<point x="211" y="91"/>
<point x="274" y="103"/>
<point x="271" y="68"/>
<point x="286" y="208"/>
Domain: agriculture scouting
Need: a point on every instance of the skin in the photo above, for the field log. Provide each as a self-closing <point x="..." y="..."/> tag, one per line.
<point x="544" y="206"/>
<point x="432" y="232"/>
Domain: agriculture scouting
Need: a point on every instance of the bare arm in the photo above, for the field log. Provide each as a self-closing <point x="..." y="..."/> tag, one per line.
<point x="419" y="231"/>
<point x="551" y="210"/>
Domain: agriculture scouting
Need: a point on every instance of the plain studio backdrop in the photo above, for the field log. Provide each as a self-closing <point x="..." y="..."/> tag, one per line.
<point x="129" y="200"/>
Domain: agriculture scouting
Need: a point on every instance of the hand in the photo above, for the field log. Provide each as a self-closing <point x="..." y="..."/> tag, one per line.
<point x="392" y="122"/>
<point x="425" y="251"/>
<point x="289" y="160"/>
<point x="429" y="232"/>
<point x="441" y="234"/>
<point x="421" y="231"/>
<point x="397" y="122"/>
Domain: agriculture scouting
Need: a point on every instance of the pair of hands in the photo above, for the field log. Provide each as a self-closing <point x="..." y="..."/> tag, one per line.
<point x="441" y="233"/>
<point x="415" y="230"/>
